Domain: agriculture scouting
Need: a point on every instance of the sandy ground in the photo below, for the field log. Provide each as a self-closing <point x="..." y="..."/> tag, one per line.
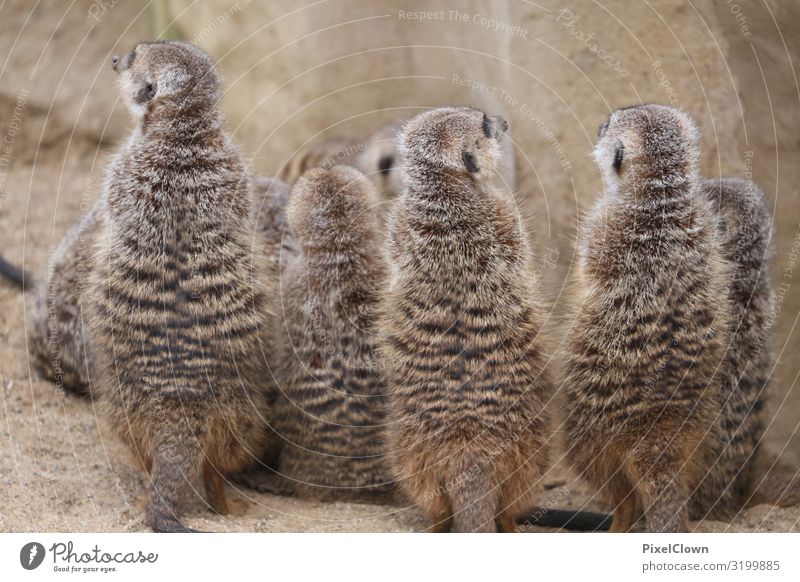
<point x="60" y="469"/>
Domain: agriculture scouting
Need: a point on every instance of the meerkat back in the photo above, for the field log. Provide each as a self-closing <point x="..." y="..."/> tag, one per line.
<point x="58" y="334"/>
<point x="744" y="234"/>
<point x="461" y="332"/>
<point x="179" y="298"/>
<point x="645" y="347"/>
<point x="331" y="412"/>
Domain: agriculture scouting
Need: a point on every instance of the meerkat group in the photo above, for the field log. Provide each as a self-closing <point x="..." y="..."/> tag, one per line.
<point x="224" y="320"/>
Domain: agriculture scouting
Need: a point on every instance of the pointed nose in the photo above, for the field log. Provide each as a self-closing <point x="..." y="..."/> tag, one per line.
<point x="114" y="62"/>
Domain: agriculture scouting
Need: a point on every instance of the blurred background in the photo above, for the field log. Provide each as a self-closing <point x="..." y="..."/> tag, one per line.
<point x="298" y="72"/>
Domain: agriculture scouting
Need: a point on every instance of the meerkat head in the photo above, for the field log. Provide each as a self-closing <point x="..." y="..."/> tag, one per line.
<point x="456" y="139"/>
<point x="332" y="208"/>
<point x="379" y="160"/>
<point x="172" y="74"/>
<point x="654" y="145"/>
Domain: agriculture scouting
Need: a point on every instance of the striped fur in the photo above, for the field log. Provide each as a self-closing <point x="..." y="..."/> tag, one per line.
<point x="332" y="406"/>
<point x="375" y="157"/>
<point x="178" y="302"/>
<point x="58" y="335"/>
<point x="467" y="428"/>
<point x="646" y="344"/>
<point x="744" y="232"/>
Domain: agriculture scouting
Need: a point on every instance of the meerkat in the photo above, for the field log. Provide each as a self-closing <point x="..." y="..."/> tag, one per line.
<point x="331" y="411"/>
<point x="59" y="333"/>
<point x="177" y="296"/>
<point x="272" y="225"/>
<point x="375" y="157"/>
<point x="461" y="330"/>
<point x="744" y="228"/>
<point x="642" y="374"/>
<point x="379" y="160"/>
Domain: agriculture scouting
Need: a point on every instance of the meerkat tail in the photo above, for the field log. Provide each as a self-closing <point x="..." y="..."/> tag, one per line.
<point x="474" y="502"/>
<point x="15" y="275"/>
<point x="175" y="469"/>
<point x="566" y="519"/>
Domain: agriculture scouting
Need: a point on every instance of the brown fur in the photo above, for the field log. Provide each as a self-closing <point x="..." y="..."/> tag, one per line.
<point x="58" y="334"/>
<point x="467" y="427"/>
<point x="177" y="294"/>
<point x="376" y="158"/>
<point x="646" y="344"/>
<point x="332" y="406"/>
<point x="738" y="477"/>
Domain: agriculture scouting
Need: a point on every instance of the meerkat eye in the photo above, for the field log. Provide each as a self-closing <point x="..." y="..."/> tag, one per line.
<point x="619" y="151"/>
<point x="470" y="163"/>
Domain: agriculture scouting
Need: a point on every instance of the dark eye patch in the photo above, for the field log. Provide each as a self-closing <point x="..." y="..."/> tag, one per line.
<point x="470" y="163"/>
<point x="487" y="128"/>
<point x="145" y="93"/>
<point x="619" y="150"/>
<point x="385" y="164"/>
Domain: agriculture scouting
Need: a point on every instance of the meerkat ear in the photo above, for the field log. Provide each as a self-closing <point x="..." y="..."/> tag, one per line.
<point x="146" y="92"/>
<point x="601" y="131"/>
<point x="470" y="162"/>
<point x="619" y="151"/>
<point x="385" y="164"/>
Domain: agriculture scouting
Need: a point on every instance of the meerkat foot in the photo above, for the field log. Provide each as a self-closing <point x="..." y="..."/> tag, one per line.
<point x="440" y="517"/>
<point x="440" y="525"/>
<point x="622" y="520"/>
<point x="215" y="490"/>
<point x="506" y="523"/>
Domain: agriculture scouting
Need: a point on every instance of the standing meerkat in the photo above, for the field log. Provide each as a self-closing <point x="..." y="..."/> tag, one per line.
<point x="331" y="410"/>
<point x="178" y="292"/>
<point x="646" y="345"/>
<point x="744" y="230"/>
<point x="468" y="430"/>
